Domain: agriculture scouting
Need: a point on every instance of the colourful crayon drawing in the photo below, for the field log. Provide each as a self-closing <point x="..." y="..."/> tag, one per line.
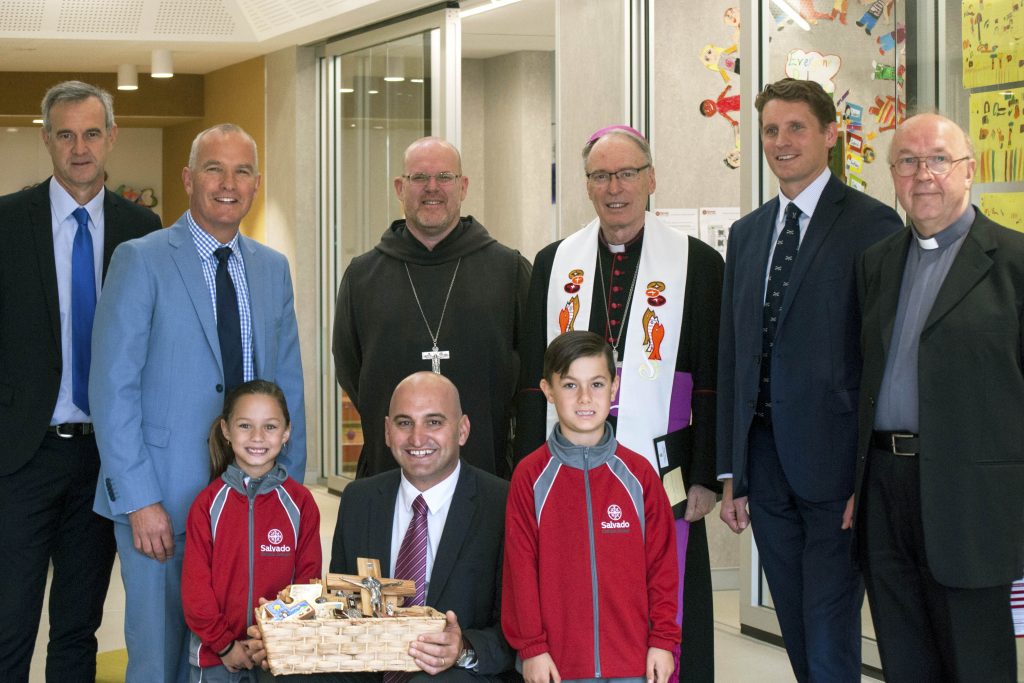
<point x="993" y="42"/>
<point x="814" y="66"/>
<point x="1005" y="208"/>
<point x="997" y="130"/>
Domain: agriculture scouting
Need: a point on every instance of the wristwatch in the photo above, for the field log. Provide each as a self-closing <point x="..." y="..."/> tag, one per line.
<point x="467" y="658"/>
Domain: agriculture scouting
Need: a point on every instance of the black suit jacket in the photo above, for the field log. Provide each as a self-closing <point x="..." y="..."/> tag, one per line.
<point x="816" y="359"/>
<point x="971" y="393"/>
<point x="466" y="576"/>
<point x="30" y="342"/>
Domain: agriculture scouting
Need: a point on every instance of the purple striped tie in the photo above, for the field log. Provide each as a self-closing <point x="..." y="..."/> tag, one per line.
<point x="412" y="556"/>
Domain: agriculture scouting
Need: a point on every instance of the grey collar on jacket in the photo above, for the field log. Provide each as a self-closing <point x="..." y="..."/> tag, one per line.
<point x="582" y="457"/>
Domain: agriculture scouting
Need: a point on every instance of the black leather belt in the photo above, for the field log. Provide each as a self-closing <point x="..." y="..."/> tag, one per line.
<point x="69" y="430"/>
<point x="897" y="443"/>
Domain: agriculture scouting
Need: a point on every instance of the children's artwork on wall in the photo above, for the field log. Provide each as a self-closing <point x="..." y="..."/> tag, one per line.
<point x="732" y="18"/>
<point x="839" y="8"/>
<point x="732" y="157"/>
<point x="814" y="66"/>
<point x="997" y="130"/>
<point x="856" y="51"/>
<point x="722" y="105"/>
<point x="145" y="197"/>
<point x="888" y="72"/>
<point x="888" y="112"/>
<point x="810" y="13"/>
<point x="874" y="11"/>
<point x="781" y="19"/>
<point x="723" y="60"/>
<point x="1005" y="208"/>
<point x="889" y="41"/>
<point x="993" y="42"/>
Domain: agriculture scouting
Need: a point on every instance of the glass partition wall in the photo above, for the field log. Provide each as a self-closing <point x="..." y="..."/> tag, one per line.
<point x="379" y="90"/>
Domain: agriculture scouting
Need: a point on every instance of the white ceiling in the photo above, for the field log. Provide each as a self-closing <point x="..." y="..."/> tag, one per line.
<point x="205" y="35"/>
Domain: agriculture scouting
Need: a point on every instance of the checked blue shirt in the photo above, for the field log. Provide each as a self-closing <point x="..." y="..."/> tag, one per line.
<point x="205" y="246"/>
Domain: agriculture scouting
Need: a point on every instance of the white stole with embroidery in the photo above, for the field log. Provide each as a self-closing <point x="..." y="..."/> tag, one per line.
<point x="649" y="351"/>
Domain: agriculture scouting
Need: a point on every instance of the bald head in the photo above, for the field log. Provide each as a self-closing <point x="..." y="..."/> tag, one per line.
<point x="433" y="146"/>
<point x="935" y="125"/>
<point x="933" y="200"/>
<point x="425" y="428"/>
<point x="427" y="383"/>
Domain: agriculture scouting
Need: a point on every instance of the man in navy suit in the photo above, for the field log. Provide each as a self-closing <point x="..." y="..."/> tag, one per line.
<point x="161" y="366"/>
<point x="788" y="381"/>
<point x="49" y="463"/>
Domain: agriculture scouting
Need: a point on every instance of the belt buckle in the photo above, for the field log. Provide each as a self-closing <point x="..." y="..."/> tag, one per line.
<point x="896" y="451"/>
<point x="62" y="434"/>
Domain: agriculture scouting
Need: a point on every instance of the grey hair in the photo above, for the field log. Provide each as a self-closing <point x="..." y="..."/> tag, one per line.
<point x="193" y="154"/>
<point x="76" y="91"/>
<point x="641" y="144"/>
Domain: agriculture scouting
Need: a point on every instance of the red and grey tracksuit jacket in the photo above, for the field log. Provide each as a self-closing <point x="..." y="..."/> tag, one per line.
<point x="243" y="543"/>
<point x="590" y="571"/>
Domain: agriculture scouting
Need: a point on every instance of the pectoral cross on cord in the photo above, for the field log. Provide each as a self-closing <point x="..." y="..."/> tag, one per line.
<point x="435" y="356"/>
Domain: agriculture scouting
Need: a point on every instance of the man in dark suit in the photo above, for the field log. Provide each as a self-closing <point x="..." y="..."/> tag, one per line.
<point x="789" y="373"/>
<point x="465" y="528"/>
<point x="51" y="267"/>
<point x="940" y="513"/>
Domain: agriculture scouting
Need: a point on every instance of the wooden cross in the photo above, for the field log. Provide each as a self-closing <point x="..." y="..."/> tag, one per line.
<point x="435" y="356"/>
<point x="378" y="596"/>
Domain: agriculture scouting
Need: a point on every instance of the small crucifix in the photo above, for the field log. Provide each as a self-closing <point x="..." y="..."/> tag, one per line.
<point x="435" y="356"/>
<point x="378" y="596"/>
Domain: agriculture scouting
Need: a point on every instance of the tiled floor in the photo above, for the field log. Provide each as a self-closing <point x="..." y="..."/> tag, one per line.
<point x="738" y="658"/>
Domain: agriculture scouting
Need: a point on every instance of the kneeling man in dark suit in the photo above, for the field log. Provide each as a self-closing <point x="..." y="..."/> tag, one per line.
<point x="941" y="452"/>
<point x="463" y="511"/>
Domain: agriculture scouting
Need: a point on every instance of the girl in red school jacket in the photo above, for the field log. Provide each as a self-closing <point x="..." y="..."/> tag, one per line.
<point x="250" y="533"/>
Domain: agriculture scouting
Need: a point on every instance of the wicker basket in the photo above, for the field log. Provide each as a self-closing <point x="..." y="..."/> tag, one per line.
<point x="331" y="645"/>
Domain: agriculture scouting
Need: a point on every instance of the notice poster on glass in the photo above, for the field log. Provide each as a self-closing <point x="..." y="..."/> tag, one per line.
<point x="683" y="220"/>
<point x="715" y="222"/>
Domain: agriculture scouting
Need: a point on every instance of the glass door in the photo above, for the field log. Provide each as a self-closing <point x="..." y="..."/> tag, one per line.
<point x="379" y="90"/>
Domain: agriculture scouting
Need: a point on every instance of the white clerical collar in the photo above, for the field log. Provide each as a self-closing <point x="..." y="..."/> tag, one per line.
<point x="436" y="497"/>
<point x="927" y="243"/>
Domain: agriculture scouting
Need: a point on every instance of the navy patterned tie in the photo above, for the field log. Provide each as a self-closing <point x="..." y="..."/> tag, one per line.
<point x="783" y="259"/>
<point x="83" y="309"/>
<point x="229" y="324"/>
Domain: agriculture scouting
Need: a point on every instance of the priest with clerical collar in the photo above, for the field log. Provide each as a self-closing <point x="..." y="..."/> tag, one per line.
<point x="654" y="294"/>
<point x="437" y="293"/>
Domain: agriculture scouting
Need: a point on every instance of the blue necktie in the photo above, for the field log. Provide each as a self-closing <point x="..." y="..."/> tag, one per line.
<point x="229" y="325"/>
<point x="83" y="308"/>
<point x="783" y="259"/>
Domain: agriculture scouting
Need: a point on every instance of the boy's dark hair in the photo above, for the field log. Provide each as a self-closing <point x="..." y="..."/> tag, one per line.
<point x="568" y="346"/>
<point x="221" y="454"/>
<point x="793" y="90"/>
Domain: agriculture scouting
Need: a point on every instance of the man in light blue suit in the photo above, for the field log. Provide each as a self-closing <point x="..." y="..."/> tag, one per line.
<point x="181" y="321"/>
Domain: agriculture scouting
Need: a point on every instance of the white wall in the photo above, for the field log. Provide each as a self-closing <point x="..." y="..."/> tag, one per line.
<point x="136" y="160"/>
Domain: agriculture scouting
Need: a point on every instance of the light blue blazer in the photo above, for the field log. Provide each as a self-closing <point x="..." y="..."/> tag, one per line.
<point x="156" y="382"/>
